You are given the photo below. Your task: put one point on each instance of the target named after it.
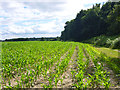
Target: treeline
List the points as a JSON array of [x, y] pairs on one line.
[[35, 39], [93, 22]]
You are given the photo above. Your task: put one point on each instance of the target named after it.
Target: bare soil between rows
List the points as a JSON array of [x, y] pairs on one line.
[[67, 77]]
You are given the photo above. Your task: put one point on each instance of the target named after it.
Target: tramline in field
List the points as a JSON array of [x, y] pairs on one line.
[[42, 63]]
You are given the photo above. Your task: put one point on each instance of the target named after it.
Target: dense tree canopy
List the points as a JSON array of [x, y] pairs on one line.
[[93, 22]]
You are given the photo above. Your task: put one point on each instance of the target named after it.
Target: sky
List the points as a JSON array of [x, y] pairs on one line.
[[38, 18]]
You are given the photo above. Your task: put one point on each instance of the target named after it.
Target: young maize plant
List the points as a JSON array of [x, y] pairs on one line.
[[26, 63]]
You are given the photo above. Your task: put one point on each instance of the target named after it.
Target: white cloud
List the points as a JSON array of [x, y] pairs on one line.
[[18, 29], [39, 16]]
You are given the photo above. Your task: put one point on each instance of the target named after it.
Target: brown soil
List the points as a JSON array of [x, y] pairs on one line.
[[114, 80], [68, 79], [41, 81], [67, 76]]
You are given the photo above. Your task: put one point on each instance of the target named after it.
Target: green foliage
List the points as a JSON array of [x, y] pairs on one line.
[[115, 43], [27, 62], [94, 22], [35, 39], [114, 20], [105, 41]]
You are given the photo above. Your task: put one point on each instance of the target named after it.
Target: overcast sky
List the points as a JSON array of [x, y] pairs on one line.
[[38, 18]]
